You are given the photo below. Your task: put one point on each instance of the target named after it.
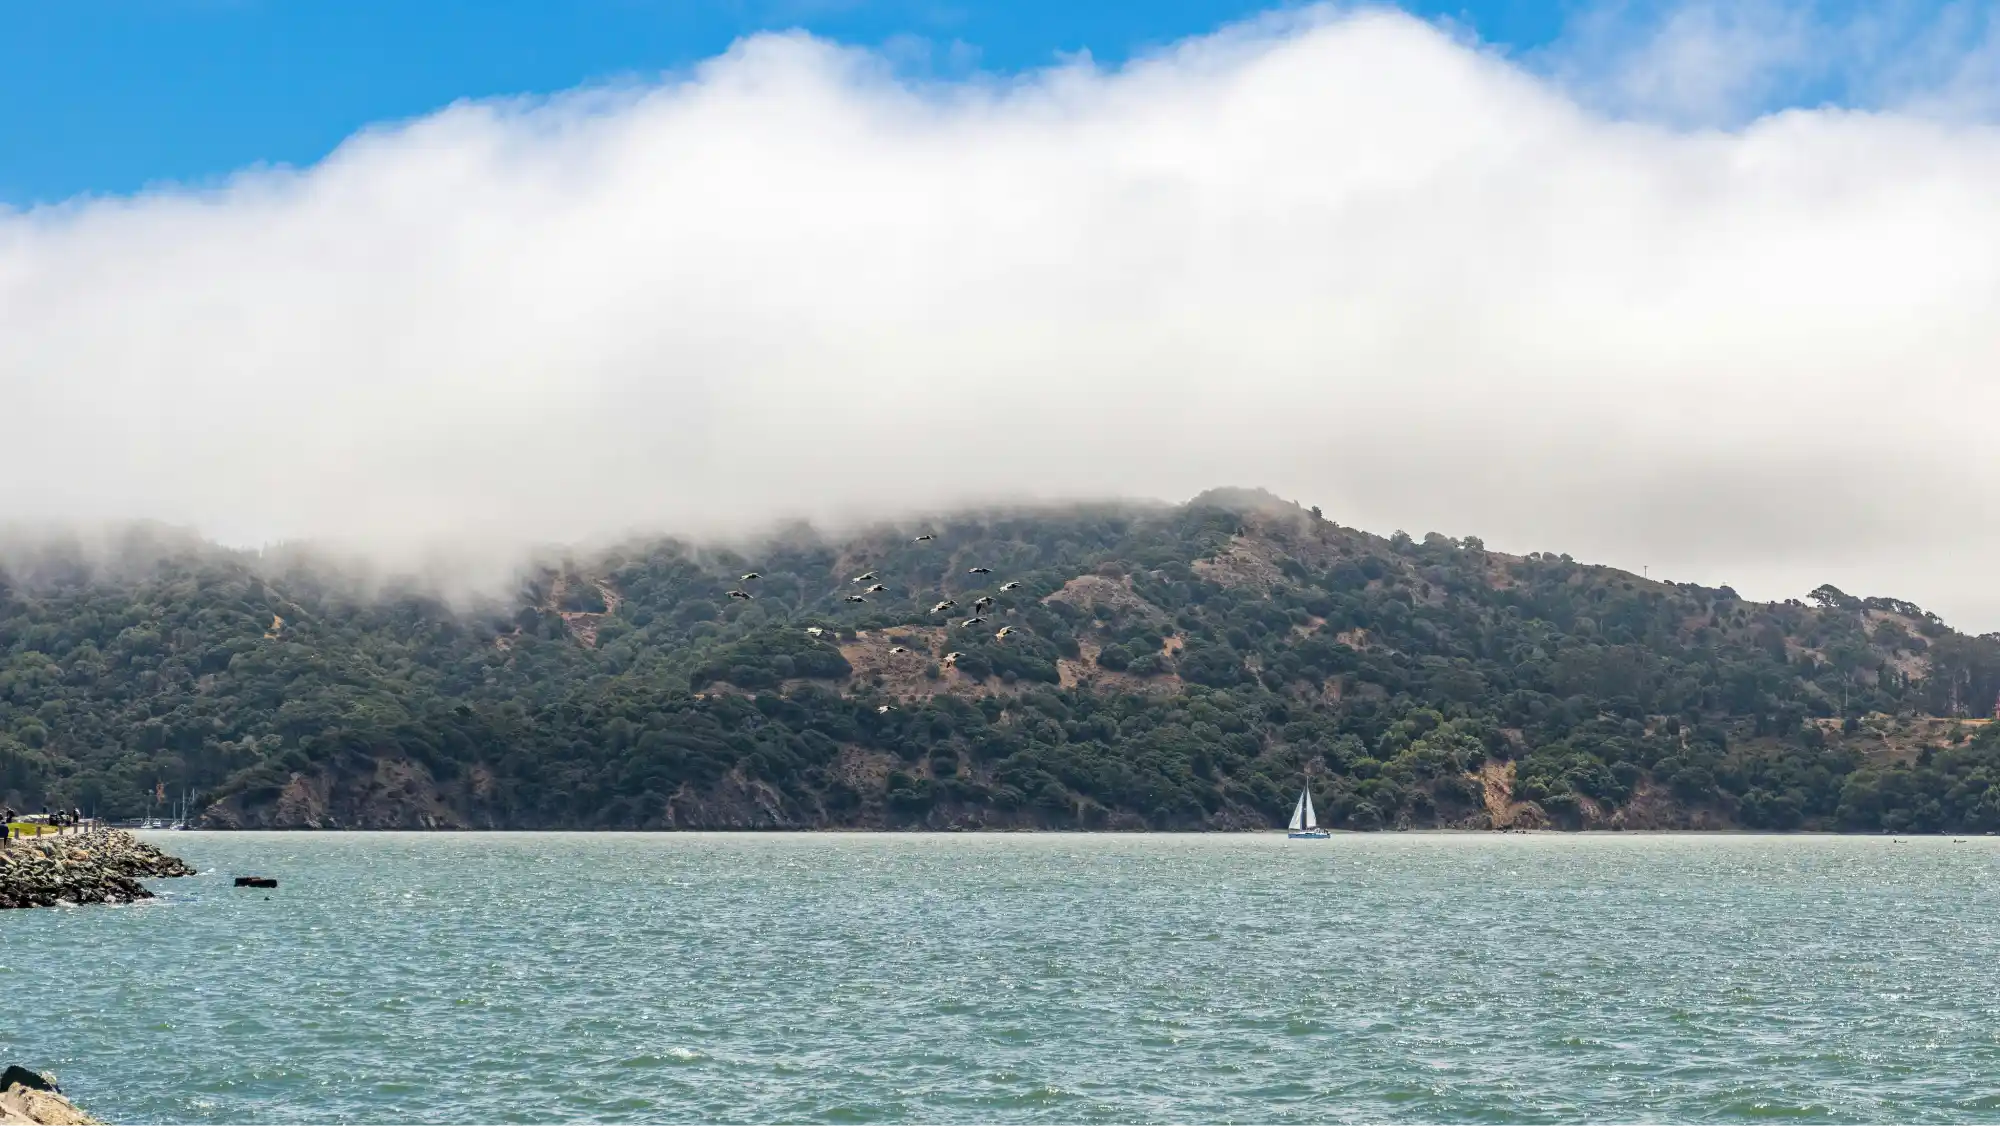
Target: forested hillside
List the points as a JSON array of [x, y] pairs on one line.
[[1166, 668]]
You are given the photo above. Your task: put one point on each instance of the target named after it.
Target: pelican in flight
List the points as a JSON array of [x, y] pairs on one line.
[[899, 649], [941, 607], [854, 598], [952, 658], [1004, 631], [1004, 587], [970, 622], [815, 631], [979, 570], [743, 594], [982, 602], [884, 710], [925, 538], [750, 578], [867, 578], [876, 589]]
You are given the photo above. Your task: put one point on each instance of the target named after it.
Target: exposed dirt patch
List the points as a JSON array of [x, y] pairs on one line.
[[1246, 562], [1908, 662], [1084, 672], [1796, 650], [1287, 530], [1496, 780], [1914, 666], [583, 624], [902, 675], [865, 770], [1096, 593], [1499, 570], [1073, 673], [1887, 738]]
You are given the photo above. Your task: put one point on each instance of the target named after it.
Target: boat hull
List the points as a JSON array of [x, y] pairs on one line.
[[1308, 835]]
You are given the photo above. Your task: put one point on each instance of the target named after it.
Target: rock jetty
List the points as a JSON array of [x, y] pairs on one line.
[[97, 866], [32, 1099]]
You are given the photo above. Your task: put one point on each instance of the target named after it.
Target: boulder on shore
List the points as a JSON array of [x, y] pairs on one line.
[[96, 866], [30, 1098]]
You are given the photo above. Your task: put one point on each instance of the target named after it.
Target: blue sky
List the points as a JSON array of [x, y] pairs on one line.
[[107, 97], [110, 96]]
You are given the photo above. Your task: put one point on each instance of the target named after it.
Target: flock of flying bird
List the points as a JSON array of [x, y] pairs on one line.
[[979, 605]]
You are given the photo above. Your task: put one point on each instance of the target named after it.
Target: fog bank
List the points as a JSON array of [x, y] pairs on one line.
[[1349, 257]]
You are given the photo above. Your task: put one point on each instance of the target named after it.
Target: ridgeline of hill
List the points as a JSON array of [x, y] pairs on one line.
[[1167, 668]]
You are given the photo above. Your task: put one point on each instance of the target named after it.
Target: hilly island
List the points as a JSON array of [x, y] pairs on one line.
[[1164, 668]]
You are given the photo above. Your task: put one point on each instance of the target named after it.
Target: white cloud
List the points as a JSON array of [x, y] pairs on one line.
[[1342, 255]]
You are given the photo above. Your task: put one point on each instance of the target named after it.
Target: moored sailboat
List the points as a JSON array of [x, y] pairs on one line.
[[1305, 823]]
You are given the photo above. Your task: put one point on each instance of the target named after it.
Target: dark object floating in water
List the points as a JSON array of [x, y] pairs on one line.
[[256, 882], [35, 1080]]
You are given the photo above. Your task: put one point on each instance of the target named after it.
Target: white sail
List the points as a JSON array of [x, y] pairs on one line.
[[1312, 821], [1299, 814]]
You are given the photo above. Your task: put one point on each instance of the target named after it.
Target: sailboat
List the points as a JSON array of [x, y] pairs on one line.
[[1305, 823]]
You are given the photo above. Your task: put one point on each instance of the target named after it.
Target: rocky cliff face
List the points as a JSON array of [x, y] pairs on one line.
[[99, 866], [393, 794]]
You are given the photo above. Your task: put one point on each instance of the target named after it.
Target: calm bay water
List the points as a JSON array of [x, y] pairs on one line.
[[673, 978]]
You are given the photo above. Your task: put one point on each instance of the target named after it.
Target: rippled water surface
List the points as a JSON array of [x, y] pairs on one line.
[[674, 978]]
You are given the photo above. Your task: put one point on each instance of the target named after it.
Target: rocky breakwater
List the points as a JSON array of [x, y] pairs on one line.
[[98, 866]]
